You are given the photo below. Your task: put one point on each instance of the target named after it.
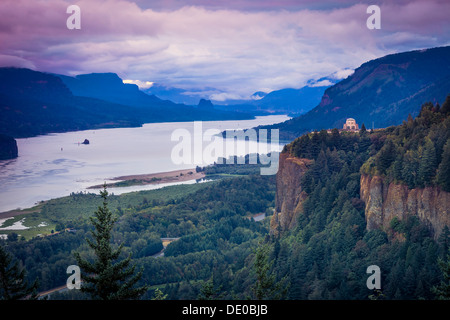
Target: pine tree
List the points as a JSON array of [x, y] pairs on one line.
[[442, 291], [208, 290], [159, 295], [13, 285], [108, 278], [443, 176], [386, 156], [265, 286], [410, 168], [445, 108], [427, 166], [363, 129]]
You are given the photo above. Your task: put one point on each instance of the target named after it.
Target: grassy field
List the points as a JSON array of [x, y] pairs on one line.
[[45, 218], [48, 217]]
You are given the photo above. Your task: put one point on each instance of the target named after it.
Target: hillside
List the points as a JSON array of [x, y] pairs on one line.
[[33, 103], [381, 92], [345, 201], [109, 87]]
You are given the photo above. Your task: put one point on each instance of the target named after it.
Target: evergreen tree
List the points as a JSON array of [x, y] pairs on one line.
[[445, 108], [108, 278], [443, 177], [427, 166], [363, 129], [208, 290], [159, 295], [13, 285], [265, 286], [335, 139], [386, 156], [442, 291], [410, 168]]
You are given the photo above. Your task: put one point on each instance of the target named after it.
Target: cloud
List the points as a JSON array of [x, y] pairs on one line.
[[321, 83], [12, 61], [236, 46], [224, 96], [139, 83], [342, 74]]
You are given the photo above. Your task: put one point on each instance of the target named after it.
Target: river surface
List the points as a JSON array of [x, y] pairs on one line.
[[55, 165]]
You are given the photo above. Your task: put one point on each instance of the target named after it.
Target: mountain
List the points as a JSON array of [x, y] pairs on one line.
[[381, 92], [109, 87], [285, 101], [33, 103], [292, 100], [176, 95]]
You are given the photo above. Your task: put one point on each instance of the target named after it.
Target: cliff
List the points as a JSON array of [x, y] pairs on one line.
[[384, 201], [289, 196], [8, 147]]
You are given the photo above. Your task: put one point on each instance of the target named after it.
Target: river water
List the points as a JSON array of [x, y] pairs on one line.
[[55, 165]]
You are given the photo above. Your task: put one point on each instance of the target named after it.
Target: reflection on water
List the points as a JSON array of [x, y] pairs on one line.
[[55, 165]]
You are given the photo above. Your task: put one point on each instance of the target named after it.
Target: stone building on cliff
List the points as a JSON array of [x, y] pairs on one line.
[[350, 125]]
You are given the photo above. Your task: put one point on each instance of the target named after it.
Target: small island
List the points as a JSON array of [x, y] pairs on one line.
[[8, 147]]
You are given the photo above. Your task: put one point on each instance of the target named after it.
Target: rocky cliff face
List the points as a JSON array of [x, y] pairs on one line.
[[289, 196], [8, 147], [385, 201]]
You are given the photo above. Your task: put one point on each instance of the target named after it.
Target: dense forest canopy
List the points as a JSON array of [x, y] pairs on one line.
[[326, 256]]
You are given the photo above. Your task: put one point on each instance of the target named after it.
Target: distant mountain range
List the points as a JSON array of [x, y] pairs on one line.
[[33, 103], [285, 101], [380, 93]]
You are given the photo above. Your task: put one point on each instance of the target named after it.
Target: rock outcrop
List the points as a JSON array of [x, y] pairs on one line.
[[8, 147], [289, 195], [384, 201]]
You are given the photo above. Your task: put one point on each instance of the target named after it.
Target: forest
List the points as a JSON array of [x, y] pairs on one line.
[[223, 253], [214, 223], [326, 256]]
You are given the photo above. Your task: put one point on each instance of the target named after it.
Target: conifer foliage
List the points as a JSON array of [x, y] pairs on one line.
[[13, 283], [108, 277]]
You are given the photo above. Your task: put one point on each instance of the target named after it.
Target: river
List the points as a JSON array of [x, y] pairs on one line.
[[54, 165]]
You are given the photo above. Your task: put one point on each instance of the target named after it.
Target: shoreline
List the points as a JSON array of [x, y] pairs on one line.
[[122, 181], [19, 212], [152, 178]]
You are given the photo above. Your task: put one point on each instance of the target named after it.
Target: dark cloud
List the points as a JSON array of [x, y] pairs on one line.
[[236, 46]]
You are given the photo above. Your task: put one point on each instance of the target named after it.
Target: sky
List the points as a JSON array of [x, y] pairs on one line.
[[226, 49]]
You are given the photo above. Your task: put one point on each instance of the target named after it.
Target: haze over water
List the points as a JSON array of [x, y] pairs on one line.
[[55, 165]]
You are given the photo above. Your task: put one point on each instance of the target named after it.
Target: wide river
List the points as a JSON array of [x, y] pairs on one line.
[[55, 165]]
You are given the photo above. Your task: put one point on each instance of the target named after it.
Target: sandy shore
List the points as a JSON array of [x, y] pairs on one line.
[[19, 212], [124, 181], [153, 178]]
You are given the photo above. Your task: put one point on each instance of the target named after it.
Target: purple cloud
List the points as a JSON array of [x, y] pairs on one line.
[[236, 46]]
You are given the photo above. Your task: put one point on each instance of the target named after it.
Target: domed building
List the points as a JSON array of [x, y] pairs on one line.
[[350, 125]]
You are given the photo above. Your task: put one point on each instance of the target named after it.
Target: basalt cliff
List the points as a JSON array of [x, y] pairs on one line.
[[383, 201], [289, 196]]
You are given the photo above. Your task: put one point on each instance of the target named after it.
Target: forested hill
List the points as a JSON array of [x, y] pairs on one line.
[[33, 103], [381, 92], [322, 240]]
